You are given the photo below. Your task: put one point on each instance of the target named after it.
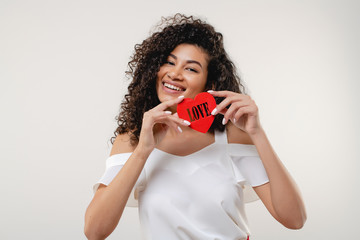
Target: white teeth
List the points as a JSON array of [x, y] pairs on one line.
[[172, 87]]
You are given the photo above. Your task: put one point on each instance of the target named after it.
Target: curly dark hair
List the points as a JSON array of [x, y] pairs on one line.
[[153, 53]]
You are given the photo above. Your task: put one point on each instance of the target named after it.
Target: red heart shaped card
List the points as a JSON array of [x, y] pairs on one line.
[[198, 111]]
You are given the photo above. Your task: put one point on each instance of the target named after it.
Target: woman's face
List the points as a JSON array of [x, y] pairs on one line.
[[184, 73]]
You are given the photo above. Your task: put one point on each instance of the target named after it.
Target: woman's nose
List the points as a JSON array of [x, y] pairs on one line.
[[174, 74]]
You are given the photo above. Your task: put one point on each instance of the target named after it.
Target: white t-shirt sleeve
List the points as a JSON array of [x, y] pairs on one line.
[[248, 168], [113, 166]]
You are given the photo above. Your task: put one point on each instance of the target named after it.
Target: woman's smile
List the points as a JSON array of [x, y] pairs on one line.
[[173, 87], [184, 73]]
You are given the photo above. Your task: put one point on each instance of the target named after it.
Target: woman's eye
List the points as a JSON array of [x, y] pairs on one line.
[[192, 70], [170, 63]]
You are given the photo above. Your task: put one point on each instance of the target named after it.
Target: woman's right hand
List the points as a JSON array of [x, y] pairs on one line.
[[156, 123], [107, 206]]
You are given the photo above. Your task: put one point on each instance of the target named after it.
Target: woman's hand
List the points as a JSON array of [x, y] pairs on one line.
[[157, 121], [243, 112]]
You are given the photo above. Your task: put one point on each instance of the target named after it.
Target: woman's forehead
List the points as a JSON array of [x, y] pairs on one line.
[[190, 52]]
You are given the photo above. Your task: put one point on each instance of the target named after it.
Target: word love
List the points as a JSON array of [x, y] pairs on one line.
[[198, 111]]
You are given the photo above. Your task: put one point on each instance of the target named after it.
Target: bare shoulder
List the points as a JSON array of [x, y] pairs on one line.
[[122, 144], [236, 135]]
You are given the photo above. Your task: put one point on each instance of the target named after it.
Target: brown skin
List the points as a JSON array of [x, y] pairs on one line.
[[108, 203], [160, 130], [152, 54], [280, 195], [186, 67]]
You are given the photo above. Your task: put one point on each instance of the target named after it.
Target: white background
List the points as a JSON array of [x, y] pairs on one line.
[[62, 67]]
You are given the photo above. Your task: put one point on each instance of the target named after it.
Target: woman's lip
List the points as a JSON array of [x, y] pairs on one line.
[[171, 91], [174, 84]]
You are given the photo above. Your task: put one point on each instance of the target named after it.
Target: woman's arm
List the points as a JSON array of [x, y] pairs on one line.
[[108, 203], [281, 195], [106, 208]]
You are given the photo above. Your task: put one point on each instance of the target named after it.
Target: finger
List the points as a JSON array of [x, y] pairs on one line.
[[165, 116], [187, 123], [179, 129], [165, 120], [157, 115], [179, 121], [230, 113], [161, 126], [170, 120], [174, 124], [167, 104], [242, 111], [224, 93], [245, 99], [227, 101], [223, 111], [151, 118]]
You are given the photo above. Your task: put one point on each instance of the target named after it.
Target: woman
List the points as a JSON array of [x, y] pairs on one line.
[[188, 184]]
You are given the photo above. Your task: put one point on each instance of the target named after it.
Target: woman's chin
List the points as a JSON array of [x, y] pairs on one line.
[[167, 98]]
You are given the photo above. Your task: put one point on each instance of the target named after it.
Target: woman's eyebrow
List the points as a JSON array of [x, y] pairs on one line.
[[188, 61]]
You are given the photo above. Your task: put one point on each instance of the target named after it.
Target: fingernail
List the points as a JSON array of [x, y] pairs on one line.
[[214, 111], [179, 129], [210, 91], [181, 96], [187, 122], [234, 120], [223, 121], [168, 112]]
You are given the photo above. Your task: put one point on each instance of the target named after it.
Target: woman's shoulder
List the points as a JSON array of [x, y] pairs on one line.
[[122, 144], [236, 135]]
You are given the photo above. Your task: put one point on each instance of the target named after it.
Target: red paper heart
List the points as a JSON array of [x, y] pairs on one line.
[[198, 111]]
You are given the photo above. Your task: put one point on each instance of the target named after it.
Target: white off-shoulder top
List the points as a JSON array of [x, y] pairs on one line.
[[198, 196]]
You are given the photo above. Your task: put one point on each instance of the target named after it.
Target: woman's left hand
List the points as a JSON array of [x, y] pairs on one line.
[[243, 112]]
